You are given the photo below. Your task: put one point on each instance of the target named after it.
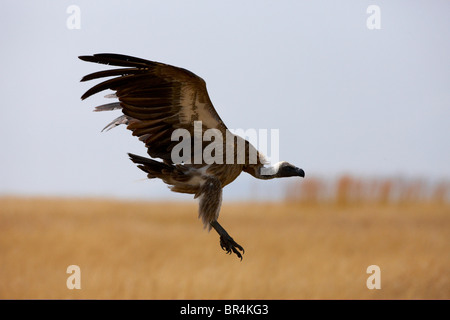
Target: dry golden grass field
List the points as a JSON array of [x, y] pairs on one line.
[[139, 250]]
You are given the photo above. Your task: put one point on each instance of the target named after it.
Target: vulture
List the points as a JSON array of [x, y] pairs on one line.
[[161, 104]]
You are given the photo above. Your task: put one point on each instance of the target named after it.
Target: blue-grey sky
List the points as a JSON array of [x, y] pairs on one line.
[[346, 99]]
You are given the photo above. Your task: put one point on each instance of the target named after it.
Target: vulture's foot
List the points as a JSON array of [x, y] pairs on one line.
[[226, 242], [229, 245]]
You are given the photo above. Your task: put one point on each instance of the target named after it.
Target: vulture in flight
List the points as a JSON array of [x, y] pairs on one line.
[[156, 99]]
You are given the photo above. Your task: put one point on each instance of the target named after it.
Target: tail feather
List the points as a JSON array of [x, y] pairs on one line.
[[153, 168]]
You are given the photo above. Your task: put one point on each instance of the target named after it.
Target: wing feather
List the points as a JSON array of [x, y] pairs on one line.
[[156, 98]]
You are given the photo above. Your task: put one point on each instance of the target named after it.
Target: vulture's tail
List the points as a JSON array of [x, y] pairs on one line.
[[153, 168]]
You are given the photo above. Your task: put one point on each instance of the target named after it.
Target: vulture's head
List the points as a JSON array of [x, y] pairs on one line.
[[281, 170], [285, 169]]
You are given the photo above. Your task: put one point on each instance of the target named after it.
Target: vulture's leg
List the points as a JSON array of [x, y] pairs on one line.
[[226, 241], [209, 207]]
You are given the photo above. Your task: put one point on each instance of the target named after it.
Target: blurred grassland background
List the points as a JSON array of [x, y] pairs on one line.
[[345, 98], [316, 244]]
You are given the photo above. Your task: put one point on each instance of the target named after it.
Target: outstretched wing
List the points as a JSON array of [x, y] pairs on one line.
[[155, 99]]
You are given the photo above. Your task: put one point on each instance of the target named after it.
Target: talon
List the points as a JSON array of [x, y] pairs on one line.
[[230, 246], [226, 242]]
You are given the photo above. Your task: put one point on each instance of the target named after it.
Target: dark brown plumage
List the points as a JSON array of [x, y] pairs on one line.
[[155, 100]]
